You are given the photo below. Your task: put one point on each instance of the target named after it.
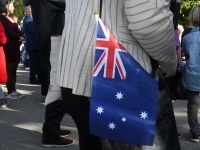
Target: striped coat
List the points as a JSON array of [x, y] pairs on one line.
[[143, 27]]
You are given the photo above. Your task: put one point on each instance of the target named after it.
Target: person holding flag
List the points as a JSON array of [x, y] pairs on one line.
[[132, 30]]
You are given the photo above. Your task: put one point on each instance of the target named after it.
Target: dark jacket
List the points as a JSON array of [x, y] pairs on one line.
[[29, 31], [13, 34], [48, 18]]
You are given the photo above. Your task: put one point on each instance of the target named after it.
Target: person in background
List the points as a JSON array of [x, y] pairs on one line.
[[48, 18], [31, 47], [3, 73], [180, 31], [11, 48], [191, 72]]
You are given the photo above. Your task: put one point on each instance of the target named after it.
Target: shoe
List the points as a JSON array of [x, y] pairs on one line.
[[18, 94], [61, 142], [11, 96], [34, 82], [179, 135], [173, 98], [27, 68], [63, 133], [195, 137], [3, 103]]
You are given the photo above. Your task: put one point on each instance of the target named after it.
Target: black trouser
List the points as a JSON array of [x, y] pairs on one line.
[[78, 108], [12, 76], [35, 64], [53, 116]]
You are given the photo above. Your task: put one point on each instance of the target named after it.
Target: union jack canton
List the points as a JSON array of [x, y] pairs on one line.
[[110, 57]]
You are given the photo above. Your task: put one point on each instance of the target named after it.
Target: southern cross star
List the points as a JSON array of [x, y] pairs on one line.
[[119, 95], [100, 110], [144, 115], [111, 126], [124, 119]]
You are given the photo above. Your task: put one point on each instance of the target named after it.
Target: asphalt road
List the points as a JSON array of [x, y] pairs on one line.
[[21, 122]]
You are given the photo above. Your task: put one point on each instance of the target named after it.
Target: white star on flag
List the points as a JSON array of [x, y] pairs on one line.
[[144, 115], [124, 119], [111, 126], [119, 95], [100, 110]]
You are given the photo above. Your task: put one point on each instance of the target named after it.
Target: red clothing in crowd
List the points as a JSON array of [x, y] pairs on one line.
[[3, 39], [13, 34]]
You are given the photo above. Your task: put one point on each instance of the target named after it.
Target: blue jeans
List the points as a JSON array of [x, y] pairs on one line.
[[192, 111], [1, 92]]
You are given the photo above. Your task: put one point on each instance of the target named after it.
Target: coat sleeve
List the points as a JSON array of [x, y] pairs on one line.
[[3, 38], [151, 23]]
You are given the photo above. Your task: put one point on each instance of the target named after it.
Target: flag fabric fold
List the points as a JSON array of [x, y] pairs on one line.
[[124, 96]]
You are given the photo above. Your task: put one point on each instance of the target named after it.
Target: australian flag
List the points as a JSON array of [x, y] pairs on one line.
[[124, 96]]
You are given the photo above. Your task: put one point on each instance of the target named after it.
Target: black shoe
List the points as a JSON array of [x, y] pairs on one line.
[[60, 142], [195, 137], [34, 82], [63, 133]]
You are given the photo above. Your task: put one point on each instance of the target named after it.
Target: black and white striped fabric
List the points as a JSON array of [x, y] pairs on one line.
[[143, 27]]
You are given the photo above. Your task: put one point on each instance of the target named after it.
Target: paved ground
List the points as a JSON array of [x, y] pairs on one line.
[[21, 121]]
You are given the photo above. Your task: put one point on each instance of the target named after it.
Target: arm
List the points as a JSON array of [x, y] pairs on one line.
[[151, 23], [184, 48], [3, 38], [9, 30], [27, 2]]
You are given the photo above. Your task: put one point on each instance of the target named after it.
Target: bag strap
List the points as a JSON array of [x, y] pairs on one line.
[[154, 65], [101, 4]]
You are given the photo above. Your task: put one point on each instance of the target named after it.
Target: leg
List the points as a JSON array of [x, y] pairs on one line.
[[53, 116], [9, 83], [192, 110], [54, 107], [51, 128], [78, 108], [32, 68], [38, 66], [3, 101], [14, 77], [1, 92]]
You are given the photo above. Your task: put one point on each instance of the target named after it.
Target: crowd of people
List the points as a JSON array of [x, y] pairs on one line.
[[64, 44]]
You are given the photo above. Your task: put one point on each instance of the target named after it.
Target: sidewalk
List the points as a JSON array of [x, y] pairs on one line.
[[21, 122]]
